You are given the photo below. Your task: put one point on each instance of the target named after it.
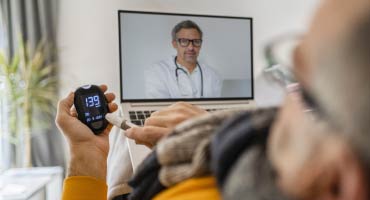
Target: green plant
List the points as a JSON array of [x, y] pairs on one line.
[[30, 89]]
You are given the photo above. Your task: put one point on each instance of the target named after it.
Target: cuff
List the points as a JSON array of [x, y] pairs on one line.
[[84, 187]]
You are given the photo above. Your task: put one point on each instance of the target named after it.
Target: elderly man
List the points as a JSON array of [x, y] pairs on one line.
[[318, 143], [328, 156]]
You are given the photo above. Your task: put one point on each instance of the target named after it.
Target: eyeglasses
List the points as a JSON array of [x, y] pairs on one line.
[[184, 42], [280, 68]]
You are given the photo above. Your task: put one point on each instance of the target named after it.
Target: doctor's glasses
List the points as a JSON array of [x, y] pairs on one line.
[[184, 42]]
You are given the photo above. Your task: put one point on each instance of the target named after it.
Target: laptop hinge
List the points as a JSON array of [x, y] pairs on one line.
[[201, 103]]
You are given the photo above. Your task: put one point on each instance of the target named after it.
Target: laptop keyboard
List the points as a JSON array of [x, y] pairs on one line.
[[138, 117]]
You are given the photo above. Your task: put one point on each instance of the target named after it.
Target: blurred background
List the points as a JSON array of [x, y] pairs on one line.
[[50, 47]]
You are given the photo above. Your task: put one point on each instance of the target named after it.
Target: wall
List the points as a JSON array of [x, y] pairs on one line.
[[88, 31]]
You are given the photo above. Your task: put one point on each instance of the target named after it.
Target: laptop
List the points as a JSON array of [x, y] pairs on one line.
[[145, 41]]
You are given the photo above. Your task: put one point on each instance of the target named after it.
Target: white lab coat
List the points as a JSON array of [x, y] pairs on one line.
[[160, 81]]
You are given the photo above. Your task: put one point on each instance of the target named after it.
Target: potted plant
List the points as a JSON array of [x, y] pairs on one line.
[[30, 88]]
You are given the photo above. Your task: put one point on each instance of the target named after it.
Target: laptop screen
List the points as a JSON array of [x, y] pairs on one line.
[[167, 57]]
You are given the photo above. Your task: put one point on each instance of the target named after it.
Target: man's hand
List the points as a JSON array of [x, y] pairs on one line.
[[88, 151], [162, 122]]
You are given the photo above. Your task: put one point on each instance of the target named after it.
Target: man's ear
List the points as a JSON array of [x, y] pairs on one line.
[[347, 179]]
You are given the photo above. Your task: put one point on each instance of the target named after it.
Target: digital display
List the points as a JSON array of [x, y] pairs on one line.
[[92, 101], [92, 107]]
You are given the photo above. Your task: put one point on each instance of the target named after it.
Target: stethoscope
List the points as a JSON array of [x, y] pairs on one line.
[[201, 75]]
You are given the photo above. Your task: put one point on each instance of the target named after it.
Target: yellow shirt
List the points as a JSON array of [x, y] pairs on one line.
[[195, 188], [85, 187]]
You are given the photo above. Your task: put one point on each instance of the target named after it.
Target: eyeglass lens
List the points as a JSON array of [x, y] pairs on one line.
[[184, 42]]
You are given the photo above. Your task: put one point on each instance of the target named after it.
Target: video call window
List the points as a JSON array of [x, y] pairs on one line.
[[175, 56]]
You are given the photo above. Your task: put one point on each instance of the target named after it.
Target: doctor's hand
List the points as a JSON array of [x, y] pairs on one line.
[[88, 151], [162, 122]]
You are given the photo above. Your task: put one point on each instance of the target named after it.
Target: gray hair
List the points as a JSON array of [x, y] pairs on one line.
[[187, 24], [342, 86]]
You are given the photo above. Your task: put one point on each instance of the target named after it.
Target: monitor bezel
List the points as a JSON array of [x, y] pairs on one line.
[[183, 99]]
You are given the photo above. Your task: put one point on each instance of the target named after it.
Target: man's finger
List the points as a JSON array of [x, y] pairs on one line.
[[74, 113], [149, 134], [65, 105], [110, 97], [112, 107], [185, 109], [143, 143], [160, 121], [103, 88], [169, 121]]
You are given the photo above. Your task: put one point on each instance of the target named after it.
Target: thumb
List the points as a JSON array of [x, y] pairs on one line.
[[64, 107]]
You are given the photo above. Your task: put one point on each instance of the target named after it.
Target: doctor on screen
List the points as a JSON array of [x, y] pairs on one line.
[[183, 76]]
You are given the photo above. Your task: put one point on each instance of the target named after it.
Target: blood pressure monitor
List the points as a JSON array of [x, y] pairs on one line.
[[91, 106]]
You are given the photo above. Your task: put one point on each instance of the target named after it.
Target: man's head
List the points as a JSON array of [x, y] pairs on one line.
[[325, 155], [345, 74], [187, 40]]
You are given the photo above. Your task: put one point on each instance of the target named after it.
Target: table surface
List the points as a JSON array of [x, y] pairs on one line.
[[22, 183]]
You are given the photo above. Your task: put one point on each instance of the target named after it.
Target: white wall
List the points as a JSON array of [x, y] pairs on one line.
[[88, 31]]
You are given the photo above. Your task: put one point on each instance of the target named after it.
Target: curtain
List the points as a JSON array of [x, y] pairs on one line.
[[34, 21]]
